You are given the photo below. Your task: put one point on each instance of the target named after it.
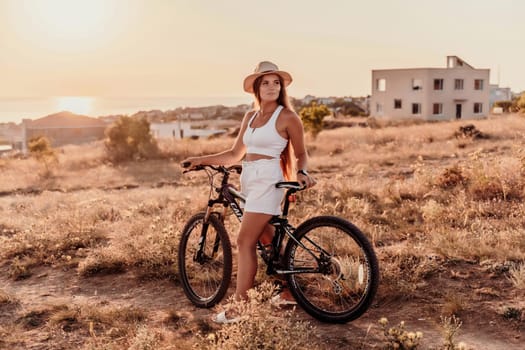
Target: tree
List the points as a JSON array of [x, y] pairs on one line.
[[312, 117], [347, 107], [521, 103], [505, 105], [130, 138], [40, 148]]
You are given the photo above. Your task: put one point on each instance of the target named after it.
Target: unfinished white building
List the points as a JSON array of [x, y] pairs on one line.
[[458, 91]]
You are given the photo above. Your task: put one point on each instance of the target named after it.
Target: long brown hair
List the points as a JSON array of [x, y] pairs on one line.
[[283, 100]]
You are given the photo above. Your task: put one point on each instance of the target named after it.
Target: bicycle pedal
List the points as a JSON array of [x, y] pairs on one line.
[[265, 249]]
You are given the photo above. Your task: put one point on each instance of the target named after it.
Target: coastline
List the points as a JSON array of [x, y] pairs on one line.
[[17, 108]]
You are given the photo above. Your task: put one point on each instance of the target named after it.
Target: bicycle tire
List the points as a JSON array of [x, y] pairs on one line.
[[205, 282], [347, 286]]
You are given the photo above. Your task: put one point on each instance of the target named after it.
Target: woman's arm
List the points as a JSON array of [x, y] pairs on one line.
[[231, 156], [295, 131]]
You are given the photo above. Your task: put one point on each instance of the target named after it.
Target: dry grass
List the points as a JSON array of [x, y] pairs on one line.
[[424, 197], [108, 325], [517, 275], [260, 327], [7, 299]]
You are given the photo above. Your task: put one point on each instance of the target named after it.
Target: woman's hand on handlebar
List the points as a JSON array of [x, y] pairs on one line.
[[191, 162], [306, 180]]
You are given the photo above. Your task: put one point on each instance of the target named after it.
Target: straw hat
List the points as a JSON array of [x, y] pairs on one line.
[[264, 68]]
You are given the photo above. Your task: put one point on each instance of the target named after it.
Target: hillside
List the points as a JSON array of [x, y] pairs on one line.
[[88, 250]]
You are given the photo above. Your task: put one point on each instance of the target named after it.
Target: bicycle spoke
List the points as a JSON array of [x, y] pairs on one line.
[[204, 261], [345, 283]]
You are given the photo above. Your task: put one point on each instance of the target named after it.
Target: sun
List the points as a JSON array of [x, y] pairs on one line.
[[65, 25], [76, 104]]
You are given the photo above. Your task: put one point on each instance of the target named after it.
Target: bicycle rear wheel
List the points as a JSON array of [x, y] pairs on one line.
[[205, 260], [336, 270]]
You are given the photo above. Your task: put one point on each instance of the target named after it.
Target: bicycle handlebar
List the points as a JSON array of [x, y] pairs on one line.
[[291, 185], [219, 168], [294, 186]]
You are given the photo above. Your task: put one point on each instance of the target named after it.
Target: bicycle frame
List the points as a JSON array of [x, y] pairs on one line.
[[228, 197]]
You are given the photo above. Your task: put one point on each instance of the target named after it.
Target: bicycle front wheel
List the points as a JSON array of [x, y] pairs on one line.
[[335, 270], [205, 260]]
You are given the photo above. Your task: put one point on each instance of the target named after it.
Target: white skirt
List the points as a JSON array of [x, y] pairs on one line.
[[258, 179]]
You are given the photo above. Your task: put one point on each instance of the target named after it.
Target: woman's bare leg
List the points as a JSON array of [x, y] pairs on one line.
[[252, 226], [267, 235]]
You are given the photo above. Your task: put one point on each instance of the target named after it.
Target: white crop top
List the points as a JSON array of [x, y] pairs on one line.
[[265, 140]]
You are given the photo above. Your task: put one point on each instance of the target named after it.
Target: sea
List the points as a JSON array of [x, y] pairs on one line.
[[16, 109]]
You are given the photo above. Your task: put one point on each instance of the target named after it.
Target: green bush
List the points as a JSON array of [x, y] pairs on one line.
[[130, 138], [312, 117]]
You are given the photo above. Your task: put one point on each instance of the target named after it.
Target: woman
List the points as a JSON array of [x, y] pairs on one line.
[[266, 139]]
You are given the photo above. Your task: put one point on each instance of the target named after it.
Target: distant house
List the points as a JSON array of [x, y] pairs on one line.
[[499, 94], [308, 99], [455, 92], [63, 128], [10, 134], [179, 130], [320, 100], [5, 149], [326, 100]]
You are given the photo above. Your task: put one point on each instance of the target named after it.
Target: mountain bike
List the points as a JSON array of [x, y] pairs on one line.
[[329, 265]]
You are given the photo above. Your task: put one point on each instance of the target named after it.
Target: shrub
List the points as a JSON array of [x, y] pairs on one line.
[[130, 138], [451, 326], [521, 103], [505, 105], [398, 338], [40, 148], [260, 328], [451, 177], [347, 108], [312, 117], [511, 313], [517, 275]]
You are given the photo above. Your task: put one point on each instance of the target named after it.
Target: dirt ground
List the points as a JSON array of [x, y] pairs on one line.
[[482, 292], [482, 327]]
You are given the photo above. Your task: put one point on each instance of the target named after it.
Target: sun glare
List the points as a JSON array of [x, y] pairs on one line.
[[65, 25], [76, 104]]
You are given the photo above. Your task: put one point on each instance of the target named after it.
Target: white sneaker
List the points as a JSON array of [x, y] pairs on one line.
[[276, 300], [222, 319]]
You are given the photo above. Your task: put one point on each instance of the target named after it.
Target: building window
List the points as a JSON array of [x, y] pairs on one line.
[[416, 108], [478, 84], [417, 84], [397, 103], [379, 108], [437, 109], [478, 108], [438, 84], [458, 84], [381, 84]]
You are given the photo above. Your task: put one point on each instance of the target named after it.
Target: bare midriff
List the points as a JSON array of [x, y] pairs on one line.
[[250, 157]]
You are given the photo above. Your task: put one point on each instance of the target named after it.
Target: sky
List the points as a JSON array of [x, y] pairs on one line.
[[149, 48]]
